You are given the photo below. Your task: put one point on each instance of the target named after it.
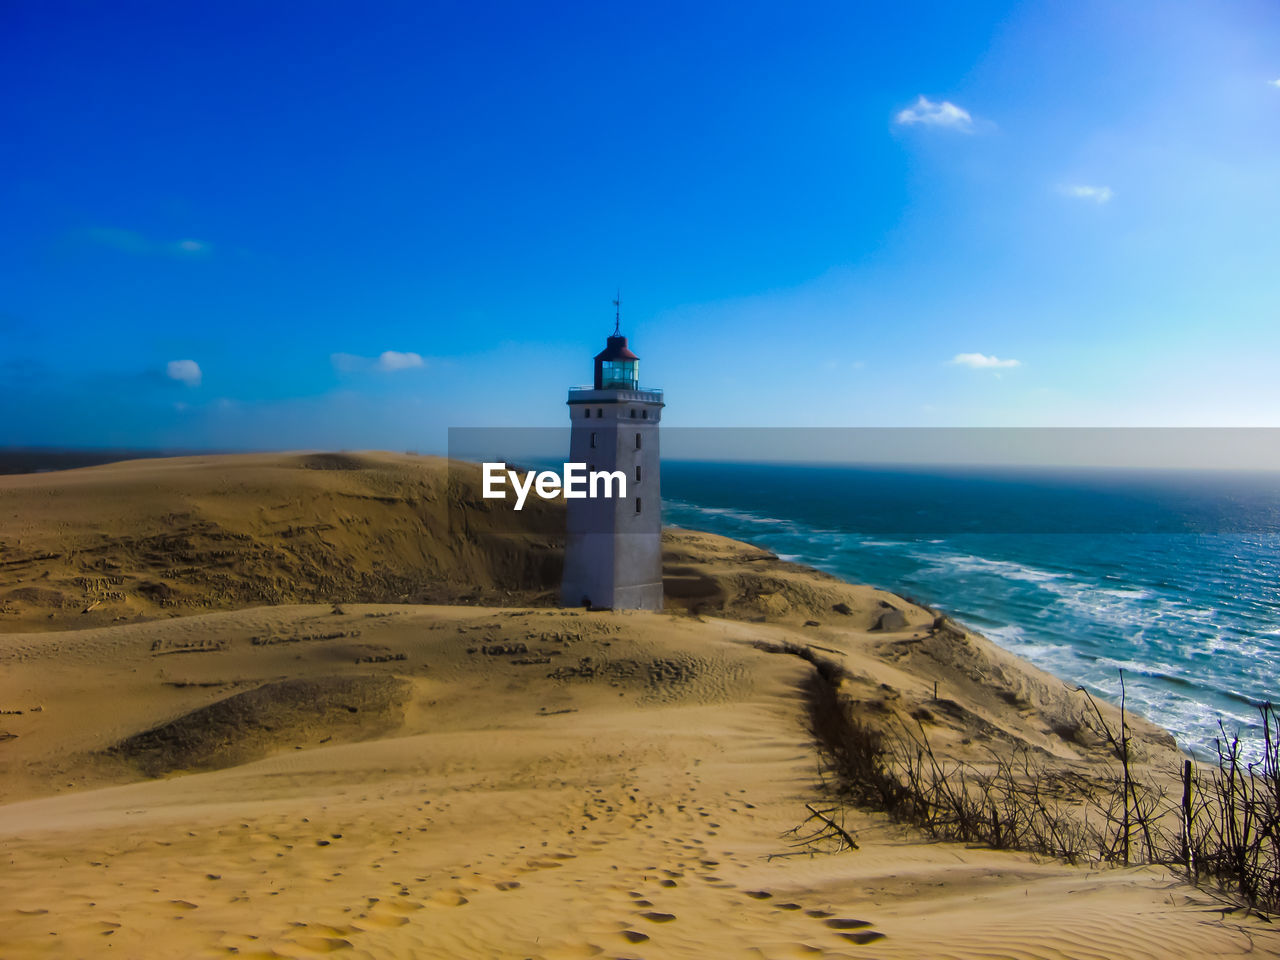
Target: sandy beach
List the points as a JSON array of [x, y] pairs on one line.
[[277, 706]]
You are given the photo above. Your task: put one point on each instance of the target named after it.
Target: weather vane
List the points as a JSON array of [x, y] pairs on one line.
[[617, 314]]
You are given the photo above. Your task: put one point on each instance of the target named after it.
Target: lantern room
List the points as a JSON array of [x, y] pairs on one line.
[[617, 368]]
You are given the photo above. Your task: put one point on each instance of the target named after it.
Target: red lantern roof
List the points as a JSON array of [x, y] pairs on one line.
[[616, 349]]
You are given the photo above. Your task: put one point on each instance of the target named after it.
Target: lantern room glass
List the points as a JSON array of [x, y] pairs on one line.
[[620, 374]]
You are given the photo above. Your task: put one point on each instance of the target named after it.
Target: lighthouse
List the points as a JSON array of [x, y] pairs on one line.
[[613, 547]]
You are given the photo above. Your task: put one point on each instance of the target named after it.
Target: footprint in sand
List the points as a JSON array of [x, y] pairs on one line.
[[449, 898], [634, 936], [324, 929], [868, 936], [848, 923], [655, 917], [382, 920], [543, 864], [758, 894]]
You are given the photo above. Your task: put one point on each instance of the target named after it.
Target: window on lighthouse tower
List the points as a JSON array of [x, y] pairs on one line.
[[620, 374]]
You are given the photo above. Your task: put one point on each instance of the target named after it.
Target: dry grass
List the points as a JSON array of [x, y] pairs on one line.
[[1222, 829]]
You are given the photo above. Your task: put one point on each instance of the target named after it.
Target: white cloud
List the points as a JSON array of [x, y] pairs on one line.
[[1274, 83], [980, 361], [130, 241], [1084, 191], [191, 247], [389, 361], [944, 114], [184, 371]]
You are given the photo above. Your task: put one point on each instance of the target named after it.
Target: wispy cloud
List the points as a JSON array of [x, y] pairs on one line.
[[832, 364], [941, 114], [1084, 191], [130, 241], [184, 371], [389, 361], [1274, 83], [980, 361]]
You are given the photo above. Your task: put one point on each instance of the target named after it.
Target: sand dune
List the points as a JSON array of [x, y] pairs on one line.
[[135, 540], [431, 780]]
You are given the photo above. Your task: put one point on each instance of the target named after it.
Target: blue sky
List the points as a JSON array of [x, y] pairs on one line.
[[354, 225]]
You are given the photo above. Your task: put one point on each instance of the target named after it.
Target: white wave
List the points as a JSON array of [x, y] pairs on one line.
[[1131, 593], [1008, 569], [1009, 632]]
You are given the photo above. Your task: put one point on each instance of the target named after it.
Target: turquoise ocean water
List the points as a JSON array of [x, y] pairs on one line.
[[1172, 577]]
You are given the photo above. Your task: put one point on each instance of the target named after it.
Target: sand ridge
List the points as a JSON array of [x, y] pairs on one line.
[[133, 541]]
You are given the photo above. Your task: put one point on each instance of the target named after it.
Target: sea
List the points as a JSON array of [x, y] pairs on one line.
[[1171, 577]]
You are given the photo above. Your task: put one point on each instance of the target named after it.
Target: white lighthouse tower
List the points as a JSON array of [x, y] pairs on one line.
[[613, 548]]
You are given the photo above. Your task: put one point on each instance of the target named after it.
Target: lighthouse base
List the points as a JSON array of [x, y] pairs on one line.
[[612, 572], [646, 596]]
